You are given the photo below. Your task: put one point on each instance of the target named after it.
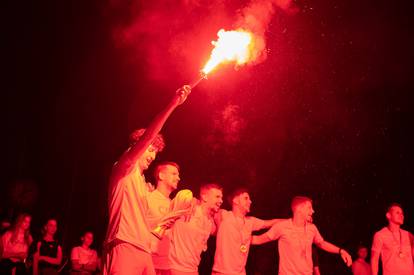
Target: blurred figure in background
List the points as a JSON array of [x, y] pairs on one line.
[[14, 246], [48, 255], [360, 265], [84, 260]]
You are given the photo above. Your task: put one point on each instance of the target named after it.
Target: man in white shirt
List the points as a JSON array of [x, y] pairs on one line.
[[189, 238], [234, 234], [167, 176], [394, 245], [128, 238], [296, 236]]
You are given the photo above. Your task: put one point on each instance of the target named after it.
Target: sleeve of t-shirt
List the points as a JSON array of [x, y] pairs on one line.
[[376, 243], [257, 224], [74, 255], [317, 238], [274, 232]]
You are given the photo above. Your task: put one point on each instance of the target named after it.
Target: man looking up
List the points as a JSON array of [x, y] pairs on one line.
[[128, 238], [394, 245]]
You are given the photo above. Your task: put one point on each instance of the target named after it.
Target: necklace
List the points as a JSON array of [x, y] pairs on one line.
[[244, 241], [400, 253], [302, 239]]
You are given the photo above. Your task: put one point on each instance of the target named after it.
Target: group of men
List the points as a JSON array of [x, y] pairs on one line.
[[136, 208]]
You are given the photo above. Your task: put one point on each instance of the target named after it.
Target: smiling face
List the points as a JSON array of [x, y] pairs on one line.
[[243, 202], [305, 210], [170, 176], [147, 158], [213, 198]]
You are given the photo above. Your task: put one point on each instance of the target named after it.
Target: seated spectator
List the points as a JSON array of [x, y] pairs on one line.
[[84, 259], [48, 255], [14, 246], [360, 266]]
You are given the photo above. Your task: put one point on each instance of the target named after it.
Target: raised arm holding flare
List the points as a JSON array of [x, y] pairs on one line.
[[128, 236]]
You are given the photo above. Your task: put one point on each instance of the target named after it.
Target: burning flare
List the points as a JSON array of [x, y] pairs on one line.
[[230, 46]]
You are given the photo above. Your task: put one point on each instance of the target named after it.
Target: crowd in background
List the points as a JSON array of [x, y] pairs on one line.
[[21, 254]]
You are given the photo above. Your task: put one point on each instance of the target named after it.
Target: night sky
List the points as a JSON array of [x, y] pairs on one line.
[[327, 114]]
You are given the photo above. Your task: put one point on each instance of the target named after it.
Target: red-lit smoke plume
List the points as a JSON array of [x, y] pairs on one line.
[[169, 37]]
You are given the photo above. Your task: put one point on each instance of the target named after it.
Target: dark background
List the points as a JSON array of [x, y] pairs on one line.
[[327, 114]]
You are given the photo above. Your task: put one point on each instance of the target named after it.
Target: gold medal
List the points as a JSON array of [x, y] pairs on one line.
[[243, 248]]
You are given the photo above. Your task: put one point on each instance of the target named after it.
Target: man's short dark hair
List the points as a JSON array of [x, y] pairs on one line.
[[235, 193], [394, 204], [208, 186], [297, 200], [162, 165]]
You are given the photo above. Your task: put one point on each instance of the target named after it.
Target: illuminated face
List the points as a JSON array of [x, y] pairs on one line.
[[87, 239], [170, 176], [51, 227], [395, 215], [147, 158], [25, 225], [244, 202], [306, 210], [213, 199], [363, 253]]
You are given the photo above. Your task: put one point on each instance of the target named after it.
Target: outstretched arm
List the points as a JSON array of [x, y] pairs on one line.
[[327, 246], [127, 161], [260, 239], [270, 223]]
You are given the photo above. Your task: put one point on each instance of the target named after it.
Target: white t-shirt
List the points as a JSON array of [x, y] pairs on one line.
[[84, 256], [16, 247], [389, 246], [295, 246], [232, 233], [360, 267], [188, 240], [128, 207], [158, 207]]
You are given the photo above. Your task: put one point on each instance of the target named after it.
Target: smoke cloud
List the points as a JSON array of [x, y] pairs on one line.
[[256, 17], [172, 38]]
